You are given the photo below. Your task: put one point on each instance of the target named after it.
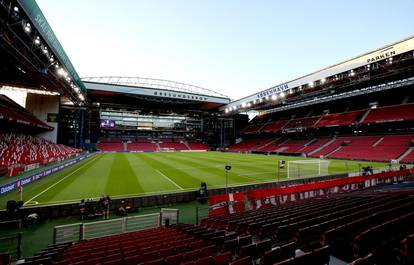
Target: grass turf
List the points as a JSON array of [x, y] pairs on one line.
[[127, 174]]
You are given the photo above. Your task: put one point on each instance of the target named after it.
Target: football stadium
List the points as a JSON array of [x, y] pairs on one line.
[[131, 170]]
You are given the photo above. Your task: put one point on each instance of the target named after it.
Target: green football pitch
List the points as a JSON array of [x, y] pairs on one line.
[[130, 174]]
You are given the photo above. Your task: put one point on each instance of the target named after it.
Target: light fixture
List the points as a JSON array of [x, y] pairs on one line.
[[274, 97], [37, 40], [282, 94], [61, 72], [310, 84], [44, 49], [323, 80], [16, 9], [27, 27]]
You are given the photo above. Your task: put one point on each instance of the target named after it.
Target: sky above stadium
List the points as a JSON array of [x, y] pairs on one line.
[[235, 47]]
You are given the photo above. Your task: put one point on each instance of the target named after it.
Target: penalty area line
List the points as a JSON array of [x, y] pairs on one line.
[[62, 179], [170, 180]]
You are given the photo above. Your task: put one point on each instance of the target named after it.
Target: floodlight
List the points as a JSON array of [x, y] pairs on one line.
[[37, 40], [16, 9], [27, 27], [44, 49], [61, 72], [274, 97]]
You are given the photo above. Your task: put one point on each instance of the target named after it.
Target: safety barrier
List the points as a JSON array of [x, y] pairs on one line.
[[82, 231]]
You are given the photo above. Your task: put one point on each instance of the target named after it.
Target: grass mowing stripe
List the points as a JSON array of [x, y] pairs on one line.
[[170, 180], [149, 179], [214, 175], [181, 177], [62, 179], [122, 178], [248, 170]]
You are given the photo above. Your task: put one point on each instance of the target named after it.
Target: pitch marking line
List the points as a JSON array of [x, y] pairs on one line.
[[170, 180], [62, 179]]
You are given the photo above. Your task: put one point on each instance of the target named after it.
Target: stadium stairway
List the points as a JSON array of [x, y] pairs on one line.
[[406, 154], [322, 146]]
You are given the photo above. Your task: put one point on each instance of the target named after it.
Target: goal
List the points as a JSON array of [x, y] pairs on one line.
[[307, 168]]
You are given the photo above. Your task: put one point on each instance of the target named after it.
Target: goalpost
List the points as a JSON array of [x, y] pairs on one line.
[[307, 168]]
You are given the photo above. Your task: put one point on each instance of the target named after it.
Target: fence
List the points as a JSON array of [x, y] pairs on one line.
[[172, 215], [81, 231], [11, 244], [201, 213]]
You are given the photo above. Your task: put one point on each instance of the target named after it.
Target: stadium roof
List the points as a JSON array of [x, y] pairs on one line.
[[31, 55], [329, 77], [154, 83], [149, 93]]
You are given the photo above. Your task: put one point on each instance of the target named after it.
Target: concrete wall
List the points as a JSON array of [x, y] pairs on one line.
[[40, 106]]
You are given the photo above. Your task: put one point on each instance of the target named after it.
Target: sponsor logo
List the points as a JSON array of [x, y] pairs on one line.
[[14, 185], [8, 187], [25, 181]]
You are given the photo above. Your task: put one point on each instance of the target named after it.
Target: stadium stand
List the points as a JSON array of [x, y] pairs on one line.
[[367, 226], [250, 144], [173, 144], [301, 123], [273, 127], [197, 145], [253, 128], [110, 144], [142, 146], [13, 113], [390, 114], [410, 157], [373, 148], [18, 151], [370, 147], [338, 119]]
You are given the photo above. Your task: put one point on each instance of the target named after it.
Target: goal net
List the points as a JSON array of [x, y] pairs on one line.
[[307, 168]]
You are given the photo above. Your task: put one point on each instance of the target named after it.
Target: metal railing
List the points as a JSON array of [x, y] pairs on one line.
[[81, 231], [11, 244], [201, 213], [169, 215]]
